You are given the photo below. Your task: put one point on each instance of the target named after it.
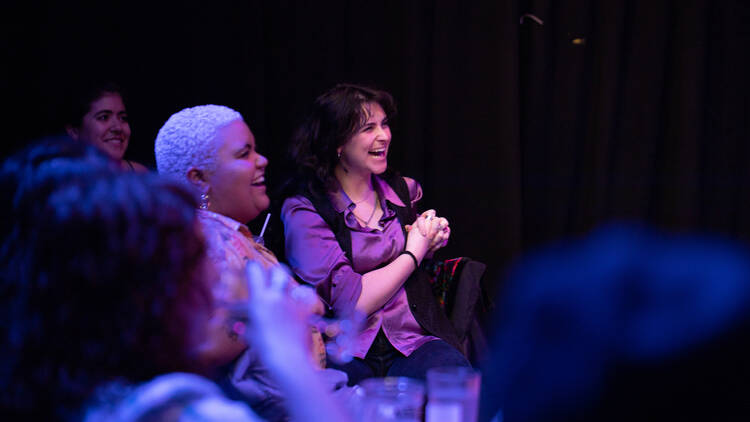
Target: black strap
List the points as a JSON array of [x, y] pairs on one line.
[[336, 222], [407, 214]]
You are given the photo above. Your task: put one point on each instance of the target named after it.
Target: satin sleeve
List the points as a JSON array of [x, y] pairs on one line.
[[315, 256], [415, 191]]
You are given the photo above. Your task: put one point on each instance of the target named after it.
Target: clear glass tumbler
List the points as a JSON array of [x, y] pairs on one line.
[[452, 394], [391, 399]]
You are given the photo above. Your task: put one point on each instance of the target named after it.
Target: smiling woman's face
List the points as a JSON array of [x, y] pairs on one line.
[[105, 126], [366, 152], [237, 186]]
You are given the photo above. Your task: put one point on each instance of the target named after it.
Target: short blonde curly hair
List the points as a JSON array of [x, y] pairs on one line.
[[187, 139]]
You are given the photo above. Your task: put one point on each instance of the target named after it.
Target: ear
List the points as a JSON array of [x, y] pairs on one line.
[[198, 179], [72, 132]]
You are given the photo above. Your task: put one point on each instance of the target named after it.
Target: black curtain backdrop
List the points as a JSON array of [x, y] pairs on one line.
[[520, 131]]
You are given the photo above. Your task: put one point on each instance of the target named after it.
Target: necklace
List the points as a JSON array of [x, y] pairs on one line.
[[372, 214], [364, 199]]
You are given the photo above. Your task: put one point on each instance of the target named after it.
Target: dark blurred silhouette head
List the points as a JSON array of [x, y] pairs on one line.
[[626, 324], [101, 278]]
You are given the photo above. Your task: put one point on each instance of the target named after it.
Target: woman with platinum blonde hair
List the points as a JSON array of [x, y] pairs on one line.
[[213, 149]]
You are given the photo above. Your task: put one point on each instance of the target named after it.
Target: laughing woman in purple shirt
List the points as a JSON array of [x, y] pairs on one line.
[[347, 222]]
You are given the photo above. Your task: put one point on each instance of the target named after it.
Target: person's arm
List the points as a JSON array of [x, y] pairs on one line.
[[316, 256], [378, 286]]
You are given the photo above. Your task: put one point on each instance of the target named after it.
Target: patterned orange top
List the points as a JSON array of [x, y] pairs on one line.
[[230, 246]]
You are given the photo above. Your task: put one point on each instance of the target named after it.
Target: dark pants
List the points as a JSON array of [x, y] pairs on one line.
[[383, 360]]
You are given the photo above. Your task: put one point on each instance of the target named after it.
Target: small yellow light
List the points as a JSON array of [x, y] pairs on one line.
[[578, 41]]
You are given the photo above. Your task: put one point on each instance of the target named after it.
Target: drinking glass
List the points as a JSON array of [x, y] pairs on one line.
[[391, 399], [452, 394]]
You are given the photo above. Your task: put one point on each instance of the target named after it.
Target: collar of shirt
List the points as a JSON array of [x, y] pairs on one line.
[[342, 202], [235, 225], [223, 219]]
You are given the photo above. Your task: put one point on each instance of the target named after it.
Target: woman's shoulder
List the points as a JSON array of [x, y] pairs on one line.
[[415, 189], [134, 166], [299, 214], [296, 202], [225, 245], [213, 223], [392, 182]]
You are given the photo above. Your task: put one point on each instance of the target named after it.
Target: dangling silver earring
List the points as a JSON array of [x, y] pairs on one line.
[[338, 154], [204, 201]]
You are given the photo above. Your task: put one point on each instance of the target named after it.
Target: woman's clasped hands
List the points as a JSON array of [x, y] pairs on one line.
[[432, 233]]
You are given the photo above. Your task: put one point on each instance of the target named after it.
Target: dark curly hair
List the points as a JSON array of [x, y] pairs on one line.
[[101, 279], [334, 118], [79, 96], [28, 177]]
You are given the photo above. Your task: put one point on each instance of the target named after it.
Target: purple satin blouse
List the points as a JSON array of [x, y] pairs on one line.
[[316, 257]]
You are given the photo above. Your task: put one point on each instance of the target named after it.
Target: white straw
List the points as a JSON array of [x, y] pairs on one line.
[[263, 230]]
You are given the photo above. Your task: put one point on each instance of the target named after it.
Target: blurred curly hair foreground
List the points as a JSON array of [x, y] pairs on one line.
[[102, 280]]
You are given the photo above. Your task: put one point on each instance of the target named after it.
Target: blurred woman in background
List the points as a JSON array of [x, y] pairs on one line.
[[98, 116]]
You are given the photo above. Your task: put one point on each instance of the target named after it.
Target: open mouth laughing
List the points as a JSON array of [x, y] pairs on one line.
[[380, 152], [259, 181]]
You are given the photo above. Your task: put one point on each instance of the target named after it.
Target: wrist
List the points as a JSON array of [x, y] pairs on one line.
[[412, 257]]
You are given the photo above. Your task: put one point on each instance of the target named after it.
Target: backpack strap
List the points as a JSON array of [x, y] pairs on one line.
[[406, 215], [335, 221]]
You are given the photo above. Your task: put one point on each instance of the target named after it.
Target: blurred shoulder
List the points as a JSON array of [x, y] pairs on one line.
[[135, 166], [166, 397]]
